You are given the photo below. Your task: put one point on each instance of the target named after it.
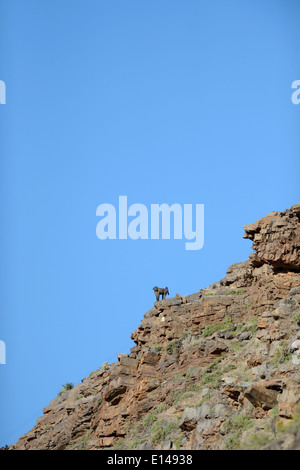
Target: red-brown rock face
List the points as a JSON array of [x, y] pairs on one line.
[[211, 370], [276, 239]]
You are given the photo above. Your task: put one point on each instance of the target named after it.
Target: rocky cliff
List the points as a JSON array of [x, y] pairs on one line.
[[218, 369]]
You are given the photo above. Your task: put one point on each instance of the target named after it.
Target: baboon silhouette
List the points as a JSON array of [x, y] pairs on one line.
[[160, 291]]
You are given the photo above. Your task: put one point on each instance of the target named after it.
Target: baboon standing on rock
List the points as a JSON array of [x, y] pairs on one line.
[[160, 291]]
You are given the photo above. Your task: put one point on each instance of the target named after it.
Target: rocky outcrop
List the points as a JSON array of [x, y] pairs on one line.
[[211, 370], [276, 239]]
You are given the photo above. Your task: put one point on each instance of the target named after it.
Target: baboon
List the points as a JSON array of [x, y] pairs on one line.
[[160, 291]]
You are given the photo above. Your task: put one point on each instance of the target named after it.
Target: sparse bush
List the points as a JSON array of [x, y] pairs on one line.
[[212, 374], [66, 387], [282, 353], [296, 317], [134, 444], [194, 387], [239, 422], [161, 430], [172, 347], [214, 379], [237, 345], [234, 427], [274, 411], [186, 334], [203, 400], [235, 292], [162, 407], [118, 444], [181, 396], [135, 430], [229, 367], [251, 325], [177, 442], [149, 419], [85, 439], [210, 329], [256, 441], [177, 376]]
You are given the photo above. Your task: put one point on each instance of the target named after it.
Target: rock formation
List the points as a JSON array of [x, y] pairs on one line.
[[211, 370]]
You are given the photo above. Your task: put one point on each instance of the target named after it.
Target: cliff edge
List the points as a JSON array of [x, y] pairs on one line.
[[218, 369]]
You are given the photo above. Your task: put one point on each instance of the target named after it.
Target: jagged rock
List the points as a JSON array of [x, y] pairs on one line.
[[215, 347], [189, 419], [276, 239], [261, 396], [115, 394], [289, 398]]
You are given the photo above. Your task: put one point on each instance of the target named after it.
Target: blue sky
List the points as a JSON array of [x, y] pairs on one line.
[[161, 101]]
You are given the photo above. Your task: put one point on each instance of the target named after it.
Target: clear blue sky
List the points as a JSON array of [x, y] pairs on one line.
[[162, 101]]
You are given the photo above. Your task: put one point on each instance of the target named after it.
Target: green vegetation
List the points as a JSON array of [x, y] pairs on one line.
[[197, 343], [212, 379], [250, 326], [203, 400], [179, 396], [118, 444], [296, 317], [236, 292], [134, 444], [161, 430], [229, 367], [172, 347], [150, 419], [294, 423], [85, 439], [178, 376], [66, 387], [177, 442], [194, 387], [162, 407], [274, 411], [135, 430], [256, 441], [234, 427], [282, 353], [186, 334], [236, 346], [212, 374], [210, 329]]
